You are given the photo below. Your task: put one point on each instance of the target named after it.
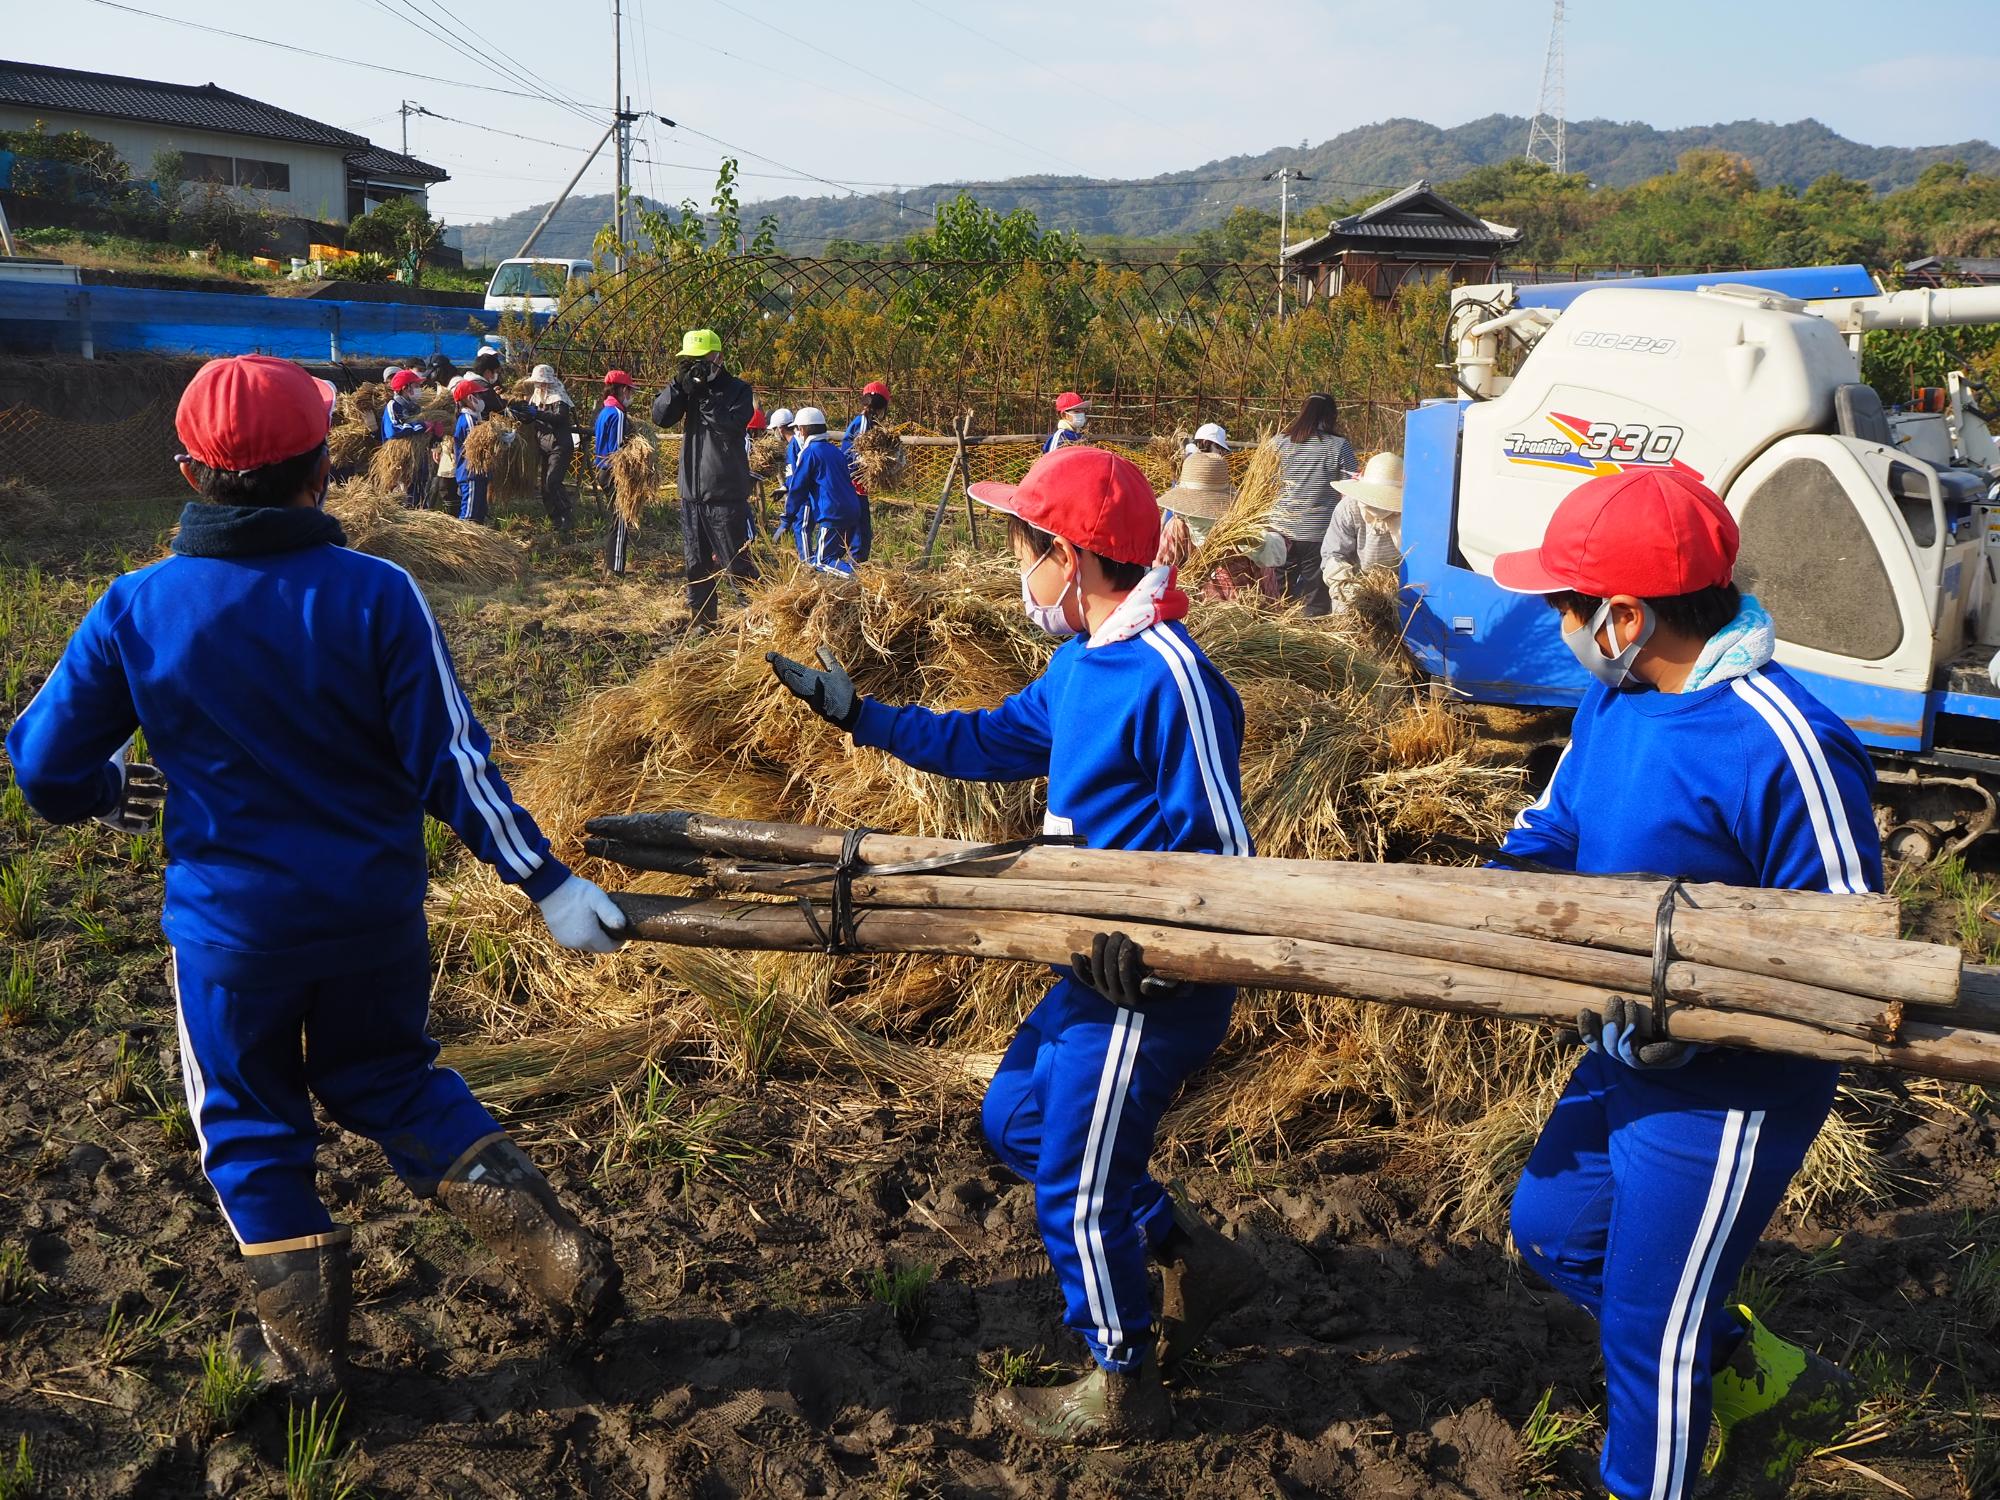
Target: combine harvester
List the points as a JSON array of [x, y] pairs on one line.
[[1873, 536]]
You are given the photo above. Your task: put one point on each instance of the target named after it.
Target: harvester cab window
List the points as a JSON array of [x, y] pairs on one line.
[[1807, 555]]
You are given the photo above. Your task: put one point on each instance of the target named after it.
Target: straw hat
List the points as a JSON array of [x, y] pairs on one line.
[[1204, 489], [1380, 484]]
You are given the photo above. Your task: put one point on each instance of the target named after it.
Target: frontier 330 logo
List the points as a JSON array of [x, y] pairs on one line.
[[1590, 449]]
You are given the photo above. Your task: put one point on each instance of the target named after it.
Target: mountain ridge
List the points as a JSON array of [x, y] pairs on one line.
[[1383, 156]]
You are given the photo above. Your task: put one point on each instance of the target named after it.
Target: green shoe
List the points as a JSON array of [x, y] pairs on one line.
[[1204, 1275], [1777, 1405], [1103, 1407]]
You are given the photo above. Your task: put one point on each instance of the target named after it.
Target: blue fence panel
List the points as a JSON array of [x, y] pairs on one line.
[[46, 319]]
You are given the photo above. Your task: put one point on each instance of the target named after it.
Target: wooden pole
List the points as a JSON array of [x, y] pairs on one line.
[[943, 505], [965, 479], [1285, 963]]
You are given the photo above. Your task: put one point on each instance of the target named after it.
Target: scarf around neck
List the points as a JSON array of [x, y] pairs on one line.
[[1736, 650], [1154, 600]]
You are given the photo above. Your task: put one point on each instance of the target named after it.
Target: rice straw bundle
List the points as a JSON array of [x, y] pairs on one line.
[[1162, 455], [364, 404], [767, 455], [393, 468], [635, 479], [483, 444], [879, 460], [517, 466], [26, 508], [1240, 530], [433, 547], [350, 445]]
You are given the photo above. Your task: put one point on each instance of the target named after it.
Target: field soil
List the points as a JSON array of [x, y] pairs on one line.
[[826, 1287]]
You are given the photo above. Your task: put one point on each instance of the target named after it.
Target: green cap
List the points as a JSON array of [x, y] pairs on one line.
[[699, 341]]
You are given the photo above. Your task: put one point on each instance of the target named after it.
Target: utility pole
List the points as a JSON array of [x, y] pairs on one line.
[[1286, 177], [619, 124], [406, 111]]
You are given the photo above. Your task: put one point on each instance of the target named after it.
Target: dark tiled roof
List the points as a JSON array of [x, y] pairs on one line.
[[1414, 213], [1477, 234], [192, 107]]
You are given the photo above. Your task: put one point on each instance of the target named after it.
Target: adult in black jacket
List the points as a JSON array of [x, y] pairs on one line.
[[553, 417], [714, 478]]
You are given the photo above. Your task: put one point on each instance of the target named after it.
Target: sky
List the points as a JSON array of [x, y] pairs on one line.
[[907, 92]]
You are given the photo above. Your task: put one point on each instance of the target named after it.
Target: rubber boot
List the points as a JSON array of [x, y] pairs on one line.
[[303, 1299], [1106, 1406], [502, 1197], [1203, 1276], [1777, 1404]]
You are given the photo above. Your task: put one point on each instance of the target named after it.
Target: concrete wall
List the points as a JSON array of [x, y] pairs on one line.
[[319, 173]]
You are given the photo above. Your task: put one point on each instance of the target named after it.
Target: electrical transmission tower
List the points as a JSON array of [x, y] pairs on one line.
[[1545, 131]]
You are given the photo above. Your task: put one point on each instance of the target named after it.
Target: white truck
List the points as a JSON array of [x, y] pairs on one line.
[[1871, 535], [535, 284]]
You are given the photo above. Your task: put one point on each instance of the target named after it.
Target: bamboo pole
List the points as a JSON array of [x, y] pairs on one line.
[[1286, 963], [1781, 942], [1254, 915]]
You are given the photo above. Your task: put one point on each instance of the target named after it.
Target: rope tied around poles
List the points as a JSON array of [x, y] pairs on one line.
[[1664, 954]]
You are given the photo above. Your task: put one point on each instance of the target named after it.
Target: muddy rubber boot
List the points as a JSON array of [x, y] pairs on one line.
[[502, 1197], [1777, 1404], [1103, 1407], [1203, 1276], [303, 1298]]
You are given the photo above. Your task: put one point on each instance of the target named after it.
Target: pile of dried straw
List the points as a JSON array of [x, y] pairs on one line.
[[433, 547], [635, 478]]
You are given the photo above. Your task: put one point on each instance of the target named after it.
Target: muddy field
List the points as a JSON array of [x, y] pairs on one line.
[[827, 1286]]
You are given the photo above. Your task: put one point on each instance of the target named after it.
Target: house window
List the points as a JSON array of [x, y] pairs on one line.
[[199, 166], [267, 176]]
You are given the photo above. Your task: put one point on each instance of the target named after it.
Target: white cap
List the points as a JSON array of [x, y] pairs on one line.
[[782, 417], [544, 375], [485, 349], [1212, 432], [390, 372], [809, 416]]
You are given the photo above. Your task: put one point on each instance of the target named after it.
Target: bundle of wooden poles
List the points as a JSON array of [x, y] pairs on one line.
[[1793, 972]]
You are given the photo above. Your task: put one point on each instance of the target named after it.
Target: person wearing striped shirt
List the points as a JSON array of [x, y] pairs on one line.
[[1139, 737], [301, 705], [1693, 755]]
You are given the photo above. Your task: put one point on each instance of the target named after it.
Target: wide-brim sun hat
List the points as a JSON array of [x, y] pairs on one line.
[[1380, 484], [1203, 490]]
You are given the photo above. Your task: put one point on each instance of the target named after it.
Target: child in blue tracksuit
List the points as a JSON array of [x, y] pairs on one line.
[[1072, 416], [606, 439], [403, 422], [300, 701], [1139, 736], [1693, 755], [874, 407], [822, 503], [469, 393]]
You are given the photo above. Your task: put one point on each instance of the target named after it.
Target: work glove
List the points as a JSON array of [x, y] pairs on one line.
[[1116, 968], [829, 693], [581, 917], [141, 791], [1628, 1031]]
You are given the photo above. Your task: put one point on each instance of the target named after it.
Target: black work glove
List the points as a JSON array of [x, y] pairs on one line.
[[1116, 968], [524, 411], [1628, 1031], [143, 791], [829, 693]]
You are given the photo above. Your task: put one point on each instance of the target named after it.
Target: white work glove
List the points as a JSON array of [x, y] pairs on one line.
[[141, 791], [583, 918]]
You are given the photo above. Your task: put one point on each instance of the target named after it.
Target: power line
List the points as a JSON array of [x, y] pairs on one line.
[[431, 28], [820, 50], [520, 72]]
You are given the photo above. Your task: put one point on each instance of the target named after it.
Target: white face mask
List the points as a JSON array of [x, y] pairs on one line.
[[1049, 618], [1077, 419], [1609, 670]]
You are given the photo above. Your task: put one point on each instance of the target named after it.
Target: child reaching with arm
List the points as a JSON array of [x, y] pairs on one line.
[[1139, 737]]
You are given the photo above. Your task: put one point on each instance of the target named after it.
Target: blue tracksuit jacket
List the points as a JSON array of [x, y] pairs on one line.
[[855, 428], [1060, 437], [610, 433], [822, 500], [400, 419], [460, 430], [300, 701], [1140, 741], [1650, 1187]]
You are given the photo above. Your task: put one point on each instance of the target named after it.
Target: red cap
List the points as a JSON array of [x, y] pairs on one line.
[[402, 380], [1089, 497], [1649, 532], [876, 388], [617, 377], [469, 386], [1069, 401], [757, 420], [253, 410]]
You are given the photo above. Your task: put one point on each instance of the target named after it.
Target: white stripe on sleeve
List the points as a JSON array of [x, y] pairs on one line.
[[1843, 828], [1809, 787], [1223, 810]]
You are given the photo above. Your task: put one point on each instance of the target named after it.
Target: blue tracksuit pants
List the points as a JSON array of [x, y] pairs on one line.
[[1073, 1109], [472, 498], [1641, 1202], [254, 1058]]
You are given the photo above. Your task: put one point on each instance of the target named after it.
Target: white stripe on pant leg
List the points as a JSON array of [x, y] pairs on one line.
[[1725, 1196], [1080, 1218], [195, 1085], [1114, 1330]]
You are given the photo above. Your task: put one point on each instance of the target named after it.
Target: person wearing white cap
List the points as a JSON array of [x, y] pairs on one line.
[[552, 414], [1210, 437], [1367, 529], [821, 500]]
